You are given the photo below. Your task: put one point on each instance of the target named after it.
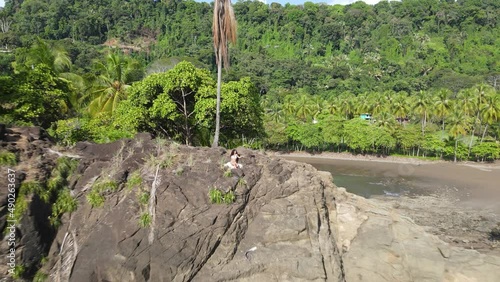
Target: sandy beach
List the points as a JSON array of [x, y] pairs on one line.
[[478, 177], [459, 202]]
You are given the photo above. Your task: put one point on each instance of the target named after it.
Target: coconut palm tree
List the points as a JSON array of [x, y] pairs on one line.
[[490, 110], [333, 105], [377, 102], [421, 106], [112, 84], [304, 108], [459, 125], [386, 120], [347, 104], [442, 105], [363, 104], [468, 104], [400, 107], [224, 30], [53, 56]]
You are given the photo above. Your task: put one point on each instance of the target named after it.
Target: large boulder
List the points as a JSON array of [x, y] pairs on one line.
[[288, 222]]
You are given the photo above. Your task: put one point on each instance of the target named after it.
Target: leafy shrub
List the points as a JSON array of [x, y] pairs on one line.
[[99, 129], [486, 151], [68, 132], [64, 203], [30, 187], [7, 158]]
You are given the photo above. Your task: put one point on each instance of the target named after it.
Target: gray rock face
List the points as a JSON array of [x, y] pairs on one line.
[[381, 245], [288, 223], [277, 229]]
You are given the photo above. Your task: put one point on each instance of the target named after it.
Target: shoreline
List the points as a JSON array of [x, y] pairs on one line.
[[384, 159], [458, 202], [468, 182]]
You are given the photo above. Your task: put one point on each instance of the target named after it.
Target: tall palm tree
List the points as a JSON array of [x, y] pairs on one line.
[[386, 120], [458, 127], [333, 105], [289, 107], [468, 104], [347, 104], [224, 30], [304, 108], [481, 90], [317, 105], [56, 58], [363, 104], [490, 110], [400, 107], [378, 104], [41, 52], [421, 107], [112, 84], [442, 105]]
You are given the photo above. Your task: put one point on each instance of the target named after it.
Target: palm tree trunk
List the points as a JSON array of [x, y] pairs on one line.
[[471, 139], [456, 145], [217, 115], [484, 132]]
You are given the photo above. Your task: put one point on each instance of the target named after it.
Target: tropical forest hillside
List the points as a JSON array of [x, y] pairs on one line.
[[425, 74]]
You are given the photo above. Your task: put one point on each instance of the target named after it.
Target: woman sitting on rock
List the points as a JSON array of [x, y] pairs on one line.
[[234, 160]]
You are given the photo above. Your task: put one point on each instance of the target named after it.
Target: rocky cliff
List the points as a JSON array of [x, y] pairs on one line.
[[144, 214]]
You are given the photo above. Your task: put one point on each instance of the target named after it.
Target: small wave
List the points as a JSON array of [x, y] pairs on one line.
[[391, 194], [377, 183]]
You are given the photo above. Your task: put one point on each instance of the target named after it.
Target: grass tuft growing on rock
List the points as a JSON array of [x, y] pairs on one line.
[[30, 187], [167, 162], [144, 198], [216, 196], [229, 197], [179, 171], [134, 180], [105, 186], [228, 173], [18, 271], [145, 220], [7, 158], [242, 182], [95, 199], [40, 276]]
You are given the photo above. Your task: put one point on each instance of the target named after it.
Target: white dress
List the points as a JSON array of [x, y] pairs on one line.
[[230, 164]]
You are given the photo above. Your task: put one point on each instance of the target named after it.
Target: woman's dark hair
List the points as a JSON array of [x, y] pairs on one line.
[[234, 152]]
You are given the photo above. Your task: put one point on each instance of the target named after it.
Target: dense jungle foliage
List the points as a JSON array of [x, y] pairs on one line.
[[426, 71]]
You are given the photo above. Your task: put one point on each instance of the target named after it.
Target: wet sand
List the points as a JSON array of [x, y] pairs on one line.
[[459, 202], [471, 183]]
